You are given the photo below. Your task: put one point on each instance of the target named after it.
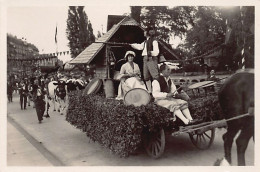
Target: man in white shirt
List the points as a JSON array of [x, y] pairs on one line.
[[164, 91], [150, 56]]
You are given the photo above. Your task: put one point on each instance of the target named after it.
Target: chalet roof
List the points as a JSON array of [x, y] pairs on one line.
[[92, 50], [87, 55]]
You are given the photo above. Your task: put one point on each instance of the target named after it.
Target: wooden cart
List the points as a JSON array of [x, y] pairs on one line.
[[201, 135]]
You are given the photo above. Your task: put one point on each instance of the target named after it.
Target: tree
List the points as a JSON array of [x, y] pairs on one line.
[[167, 21], [208, 30], [240, 21], [79, 30], [136, 12], [204, 28]]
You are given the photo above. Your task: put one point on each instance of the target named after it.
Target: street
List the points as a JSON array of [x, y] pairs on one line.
[[20, 152], [55, 142]]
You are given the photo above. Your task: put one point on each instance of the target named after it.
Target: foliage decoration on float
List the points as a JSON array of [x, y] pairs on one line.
[[116, 126]]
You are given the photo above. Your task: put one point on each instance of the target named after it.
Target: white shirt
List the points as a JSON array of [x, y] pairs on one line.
[[39, 92], [127, 69], [143, 45], [157, 94]]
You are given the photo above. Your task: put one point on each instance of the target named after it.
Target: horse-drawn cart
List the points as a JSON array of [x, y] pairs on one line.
[[201, 135]]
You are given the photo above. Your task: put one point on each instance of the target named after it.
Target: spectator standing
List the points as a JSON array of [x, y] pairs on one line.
[[39, 96], [23, 90], [9, 91], [212, 77]]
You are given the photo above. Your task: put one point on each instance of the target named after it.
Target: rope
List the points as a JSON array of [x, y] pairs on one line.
[[113, 43], [213, 50]]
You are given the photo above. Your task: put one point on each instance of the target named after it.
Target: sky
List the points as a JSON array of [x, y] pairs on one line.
[[37, 24]]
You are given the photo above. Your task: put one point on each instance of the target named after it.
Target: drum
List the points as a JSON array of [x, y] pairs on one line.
[[93, 87], [137, 97], [201, 84]]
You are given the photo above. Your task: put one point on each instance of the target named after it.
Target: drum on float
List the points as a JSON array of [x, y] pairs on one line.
[[137, 97], [93, 87]]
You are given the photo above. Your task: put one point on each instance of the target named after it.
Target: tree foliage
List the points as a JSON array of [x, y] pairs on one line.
[[136, 13], [168, 21], [204, 28], [240, 44], [79, 30], [207, 32]]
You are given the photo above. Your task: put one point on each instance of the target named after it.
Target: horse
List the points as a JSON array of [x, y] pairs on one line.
[[236, 97]]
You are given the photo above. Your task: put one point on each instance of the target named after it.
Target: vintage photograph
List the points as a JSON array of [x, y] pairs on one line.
[[115, 85]]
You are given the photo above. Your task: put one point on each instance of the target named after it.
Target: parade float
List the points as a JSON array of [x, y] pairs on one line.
[[123, 127]]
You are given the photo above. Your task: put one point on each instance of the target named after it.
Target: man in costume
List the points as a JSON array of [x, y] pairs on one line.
[[150, 54], [164, 92]]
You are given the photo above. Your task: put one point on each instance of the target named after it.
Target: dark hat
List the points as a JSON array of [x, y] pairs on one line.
[[149, 28]]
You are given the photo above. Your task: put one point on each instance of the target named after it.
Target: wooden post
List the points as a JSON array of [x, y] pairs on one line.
[[107, 62], [108, 83]]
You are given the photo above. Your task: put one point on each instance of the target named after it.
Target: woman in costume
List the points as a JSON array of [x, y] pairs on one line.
[[130, 76]]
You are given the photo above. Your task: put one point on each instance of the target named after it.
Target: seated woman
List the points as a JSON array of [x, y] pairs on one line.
[[130, 76]]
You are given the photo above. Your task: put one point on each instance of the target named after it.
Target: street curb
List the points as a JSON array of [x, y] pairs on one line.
[[38, 145]]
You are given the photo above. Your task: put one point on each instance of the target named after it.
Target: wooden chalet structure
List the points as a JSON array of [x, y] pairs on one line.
[[108, 50]]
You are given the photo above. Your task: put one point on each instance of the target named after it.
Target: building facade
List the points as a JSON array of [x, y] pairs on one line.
[[23, 58]]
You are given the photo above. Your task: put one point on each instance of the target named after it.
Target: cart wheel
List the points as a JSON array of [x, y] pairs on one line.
[[203, 140], [154, 143]]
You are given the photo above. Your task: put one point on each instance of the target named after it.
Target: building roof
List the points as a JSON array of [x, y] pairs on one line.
[[87, 55]]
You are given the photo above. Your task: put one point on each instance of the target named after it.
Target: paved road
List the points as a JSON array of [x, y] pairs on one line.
[[68, 146], [20, 152]]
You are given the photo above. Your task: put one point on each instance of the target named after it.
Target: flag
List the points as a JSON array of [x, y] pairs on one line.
[[56, 34]]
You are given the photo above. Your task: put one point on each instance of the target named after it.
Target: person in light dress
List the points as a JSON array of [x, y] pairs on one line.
[[130, 76]]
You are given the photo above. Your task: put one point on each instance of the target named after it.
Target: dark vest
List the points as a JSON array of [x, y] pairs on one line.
[[149, 46], [163, 84]]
